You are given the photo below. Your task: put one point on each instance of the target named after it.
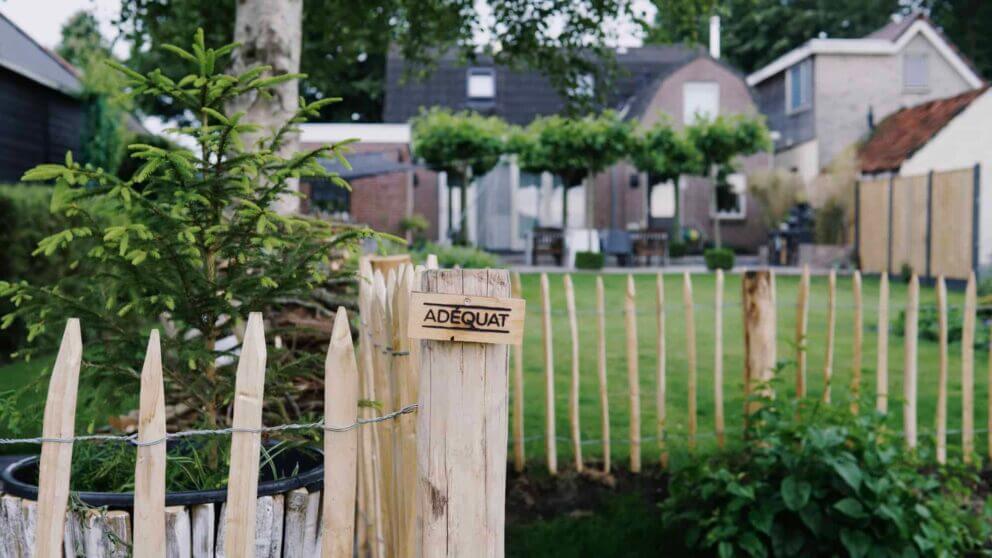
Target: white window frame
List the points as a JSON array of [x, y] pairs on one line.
[[926, 72], [741, 213], [480, 72], [805, 69], [690, 118]]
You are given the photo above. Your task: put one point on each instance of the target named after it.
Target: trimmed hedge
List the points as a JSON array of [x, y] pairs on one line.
[[589, 260], [719, 258]]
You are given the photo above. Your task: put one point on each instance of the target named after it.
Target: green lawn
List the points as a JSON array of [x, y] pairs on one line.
[[703, 285]]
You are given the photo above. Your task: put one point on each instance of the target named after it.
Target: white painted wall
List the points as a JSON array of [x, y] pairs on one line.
[[803, 157], [965, 141]]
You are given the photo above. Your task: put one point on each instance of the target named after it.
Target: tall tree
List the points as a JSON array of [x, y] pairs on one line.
[[966, 23], [345, 43]]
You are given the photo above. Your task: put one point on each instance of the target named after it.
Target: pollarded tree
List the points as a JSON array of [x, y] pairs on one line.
[[574, 149], [721, 142], [462, 144], [665, 154]]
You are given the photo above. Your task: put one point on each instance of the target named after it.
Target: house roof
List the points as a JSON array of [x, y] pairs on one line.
[[23, 55], [902, 133], [365, 164], [888, 40], [521, 95]]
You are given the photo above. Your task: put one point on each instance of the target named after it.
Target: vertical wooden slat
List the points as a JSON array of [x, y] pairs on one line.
[[604, 398], [550, 446], [294, 537], [203, 526], [942, 371], [519, 459], [12, 514], [178, 540], [311, 524], [340, 448], [828, 365], [633, 376], [857, 348], [29, 525], [117, 535], [56, 457], [968, 370], [245, 446], [93, 539], [406, 359], [278, 521], [909, 362], [690, 352], [431, 262], [718, 360], [149, 471], [759, 331], [385, 391], [661, 393], [369, 436], [802, 326], [73, 539], [573, 392], [882, 362], [263, 526]]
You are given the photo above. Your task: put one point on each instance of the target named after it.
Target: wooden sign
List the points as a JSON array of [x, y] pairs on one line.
[[469, 318]]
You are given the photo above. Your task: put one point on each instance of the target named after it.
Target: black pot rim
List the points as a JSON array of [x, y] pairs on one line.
[[125, 500]]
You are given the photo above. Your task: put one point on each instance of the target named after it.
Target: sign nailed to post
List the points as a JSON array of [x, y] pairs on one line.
[[475, 319]]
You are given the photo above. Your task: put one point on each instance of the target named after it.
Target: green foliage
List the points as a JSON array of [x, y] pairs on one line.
[[816, 480], [81, 39], [719, 258], [465, 257], [458, 142], [193, 245], [831, 222], [928, 325], [589, 260], [677, 249], [777, 191], [721, 140], [416, 225], [664, 153]]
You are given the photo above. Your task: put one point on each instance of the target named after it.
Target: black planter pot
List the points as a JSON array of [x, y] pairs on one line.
[[20, 480]]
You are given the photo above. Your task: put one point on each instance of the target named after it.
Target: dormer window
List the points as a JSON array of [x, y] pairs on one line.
[[915, 74], [481, 84], [799, 87]]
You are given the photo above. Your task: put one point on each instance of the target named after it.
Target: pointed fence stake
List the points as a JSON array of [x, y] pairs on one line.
[[633, 377], [882, 362], [550, 446], [573, 392], [859, 341], [519, 459], [149, 471], [942, 372], [909, 362], [661, 394], [828, 365], [968, 370], [718, 359], [604, 398], [690, 351], [802, 326]]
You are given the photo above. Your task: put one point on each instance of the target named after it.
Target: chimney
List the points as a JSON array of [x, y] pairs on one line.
[[715, 36]]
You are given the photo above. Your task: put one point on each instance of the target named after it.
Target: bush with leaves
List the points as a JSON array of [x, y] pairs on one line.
[[815, 480], [194, 246], [465, 257]]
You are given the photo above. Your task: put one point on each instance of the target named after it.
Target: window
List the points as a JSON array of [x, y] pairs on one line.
[[914, 71], [799, 87], [700, 99], [481, 84], [662, 200], [730, 201]]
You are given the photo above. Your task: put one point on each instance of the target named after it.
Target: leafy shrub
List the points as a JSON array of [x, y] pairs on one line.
[[415, 225], [819, 481], [928, 323], [831, 222], [589, 260], [465, 257], [677, 249], [719, 258]]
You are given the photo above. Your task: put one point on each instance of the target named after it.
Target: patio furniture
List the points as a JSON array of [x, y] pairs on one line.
[[617, 243], [548, 241], [650, 243]]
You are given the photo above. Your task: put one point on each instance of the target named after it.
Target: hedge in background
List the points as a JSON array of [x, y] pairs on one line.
[[719, 258]]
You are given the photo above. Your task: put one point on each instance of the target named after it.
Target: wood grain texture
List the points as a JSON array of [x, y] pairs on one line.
[[968, 370], [406, 359], [294, 532], [604, 398], [690, 352], [858, 341], [56, 458], [802, 327], [245, 446], [463, 432], [910, 361], [718, 419], [203, 526], [828, 364], [550, 446], [661, 393], [519, 458], [873, 224], [759, 332], [882, 347], [178, 540], [479, 319], [149, 470], [340, 448], [371, 473], [573, 389], [633, 375], [13, 534], [117, 536], [942, 371]]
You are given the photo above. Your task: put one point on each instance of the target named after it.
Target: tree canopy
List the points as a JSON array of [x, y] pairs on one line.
[[456, 142], [346, 43], [664, 153]]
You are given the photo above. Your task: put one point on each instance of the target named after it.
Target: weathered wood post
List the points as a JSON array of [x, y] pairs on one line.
[[550, 438], [467, 322], [942, 371], [910, 362], [968, 370], [759, 330], [802, 326], [604, 399], [633, 376], [882, 363]]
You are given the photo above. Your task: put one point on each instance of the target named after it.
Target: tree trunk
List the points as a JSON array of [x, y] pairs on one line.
[[717, 241], [463, 226], [564, 205], [270, 34]]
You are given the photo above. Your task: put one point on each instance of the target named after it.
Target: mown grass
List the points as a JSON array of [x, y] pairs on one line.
[[677, 367]]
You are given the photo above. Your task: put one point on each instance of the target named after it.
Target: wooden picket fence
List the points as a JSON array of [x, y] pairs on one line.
[[758, 301], [386, 491]]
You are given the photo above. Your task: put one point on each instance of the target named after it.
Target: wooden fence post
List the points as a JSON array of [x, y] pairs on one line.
[[242, 488], [519, 460], [909, 362], [882, 364], [690, 351], [718, 360], [462, 428], [550, 443], [759, 330], [968, 370], [340, 448], [371, 459], [604, 398], [661, 370], [633, 376], [858, 346], [405, 362], [56, 457], [942, 371], [573, 392], [828, 365], [802, 326], [149, 471]]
